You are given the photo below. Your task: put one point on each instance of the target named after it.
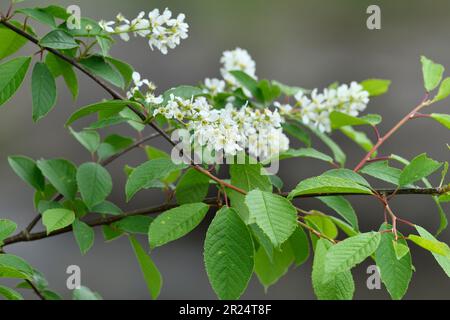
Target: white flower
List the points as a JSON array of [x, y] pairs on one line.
[[214, 86], [107, 25], [283, 108], [237, 59]]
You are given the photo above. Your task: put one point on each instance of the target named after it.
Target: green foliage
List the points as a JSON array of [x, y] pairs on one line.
[[340, 119], [152, 276], [376, 87], [43, 88], [59, 67], [61, 174], [10, 294], [176, 223], [381, 170], [443, 119], [7, 227], [228, 254], [58, 39], [11, 41], [55, 219], [420, 167], [94, 182], [192, 187], [432, 73], [84, 235], [88, 138], [84, 293], [13, 72], [103, 69], [28, 171], [343, 207]]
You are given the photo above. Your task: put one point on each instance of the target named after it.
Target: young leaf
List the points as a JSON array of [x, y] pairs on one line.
[[395, 272], [340, 119], [61, 174], [443, 119], [28, 171], [444, 90], [7, 227], [58, 39], [55, 219], [300, 246], [11, 41], [43, 88], [84, 235], [151, 273], [13, 72], [147, 173], [432, 73], [433, 246], [10, 294], [443, 261], [192, 187], [376, 87], [249, 83], [420, 167], [275, 215], [59, 67], [381, 170], [176, 223], [339, 287], [228, 254], [327, 184], [94, 182], [350, 252], [343, 208], [88, 138], [400, 249]]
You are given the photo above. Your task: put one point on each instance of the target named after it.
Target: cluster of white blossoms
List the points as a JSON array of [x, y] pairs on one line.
[[315, 110], [229, 129], [137, 89], [161, 30], [237, 59]]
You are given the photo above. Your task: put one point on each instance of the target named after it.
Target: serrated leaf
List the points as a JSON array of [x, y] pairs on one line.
[[420, 167], [148, 172], [347, 174], [102, 68], [327, 184], [395, 272], [192, 187], [343, 207], [28, 171], [376, 87], [303, 153], [339, 287], [112, 145], [275, 215], [176, 223], [87, 138], [13, 72], [432, 73], [11, 41], [61, 174], [299, 245], [341, 119], [43, 88], [7, 228], [55, 219], [152, 276], [228, 254], [84, 235], [350, 252], [443, 261], [134, 224], [381, 170], [58, 39], [94, 182], [107, 207]]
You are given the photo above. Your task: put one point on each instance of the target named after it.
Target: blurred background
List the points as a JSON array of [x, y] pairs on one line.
[[306, 43]]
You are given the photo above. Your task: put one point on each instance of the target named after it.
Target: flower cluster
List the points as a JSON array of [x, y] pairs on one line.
[[161, 30], [315, 110], [136, 90], [229, 130]]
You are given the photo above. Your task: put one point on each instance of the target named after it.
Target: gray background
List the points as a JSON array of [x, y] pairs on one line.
[[306, 43]]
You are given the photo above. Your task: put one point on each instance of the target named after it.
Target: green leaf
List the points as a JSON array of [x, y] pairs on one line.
[[88, 138], [376, 87], [84, 293], [43, 88], [339, 155], [107, 207], [7, 228], [147, 173], [343, 208], [303, 153], [39, 15], [298, 133], [420, 167], [13, 72], [339, 287], [28, 171], [102, 68], [151, 273], [400, 249], [443, 119], [61, 174], [55, 219], [12, 266], [327, 185], [155, 153], [381, 170], [299, 245], [59, 67], [94, 182], [432, 245], [11, 41], [288, 90], [112, 145], [275, 215], [228, 254], [56, 11], [432, 73], [360, 138], [110, 233], [124, 68], [395, 273], [192, 187], [340, 119], [58, 39], [347, 174], [134, 224], [443, 261], [176, 223], [112, 106], [444, 90], [323, 224], [84, 235], [350, 252], [184, 92], [10, 294], [246, 177], [249, 83], [269, 91]]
